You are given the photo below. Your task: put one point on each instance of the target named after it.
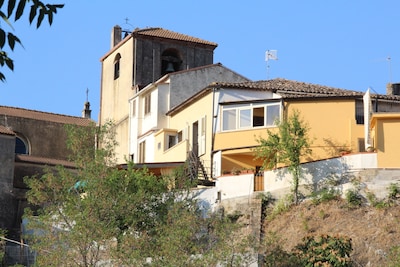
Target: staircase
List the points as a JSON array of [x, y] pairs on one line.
[[195, 170]]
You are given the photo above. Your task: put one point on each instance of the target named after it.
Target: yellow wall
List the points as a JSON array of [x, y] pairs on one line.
[[174, 154], [386, 134], [332, 126], [115, 94], [184, 121], [332, 129]]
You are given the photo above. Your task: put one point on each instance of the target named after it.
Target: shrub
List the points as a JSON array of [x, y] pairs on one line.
[[324, 250], [324, 195], [282, 205], [353, 198], [379, 204], [274, 255], [394, 191]]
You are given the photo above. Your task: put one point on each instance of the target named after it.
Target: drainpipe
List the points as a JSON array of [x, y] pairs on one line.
[[213, 131]]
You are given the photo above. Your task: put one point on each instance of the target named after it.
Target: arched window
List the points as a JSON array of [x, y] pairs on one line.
[[117, 66], [170, 61], [21, 145]]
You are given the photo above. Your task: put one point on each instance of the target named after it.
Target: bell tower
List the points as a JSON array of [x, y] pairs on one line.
[[138, 58]]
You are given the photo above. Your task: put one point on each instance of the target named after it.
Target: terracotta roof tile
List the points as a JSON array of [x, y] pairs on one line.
[[5, 130], [294, 89], [162, 33], [44, 116]]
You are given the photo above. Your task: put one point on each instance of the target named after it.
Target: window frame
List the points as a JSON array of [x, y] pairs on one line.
[[236, 113], [147, 104], [117, 66]]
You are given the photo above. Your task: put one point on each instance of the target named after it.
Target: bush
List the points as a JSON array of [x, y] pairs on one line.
[[275, 255], [394, 191], [324, 250], [353, 198], [324, 195]]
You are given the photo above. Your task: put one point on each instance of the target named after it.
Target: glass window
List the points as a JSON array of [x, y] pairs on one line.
[[229, 119], [273, 112], [171, 140], [116, 66], [20, 146], [147, 104], [245, 118], [258, 117]]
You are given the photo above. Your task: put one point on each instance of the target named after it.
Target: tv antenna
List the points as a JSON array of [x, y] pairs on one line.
[[270, 55]]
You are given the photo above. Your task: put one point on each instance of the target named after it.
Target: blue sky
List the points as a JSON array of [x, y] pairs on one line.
[[344, 44]]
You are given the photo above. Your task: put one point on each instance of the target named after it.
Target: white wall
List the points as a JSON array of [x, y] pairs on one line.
[[314, 172], [235, 185]]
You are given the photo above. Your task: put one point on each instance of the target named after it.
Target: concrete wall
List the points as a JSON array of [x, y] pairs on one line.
[[186, 84]]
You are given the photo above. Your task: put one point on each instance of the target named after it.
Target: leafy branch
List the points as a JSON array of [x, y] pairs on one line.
[[38, 11]]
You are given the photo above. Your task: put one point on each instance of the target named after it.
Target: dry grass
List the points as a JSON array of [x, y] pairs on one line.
[[373, 231]]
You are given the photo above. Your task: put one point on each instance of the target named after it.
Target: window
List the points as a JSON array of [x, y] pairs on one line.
[[273, 114], [229, 119], [180, 136], [21, 146], [247, 116], [116, 66], [172, 140], [359, 112], [258, 116], [142, 152], [147, 104]]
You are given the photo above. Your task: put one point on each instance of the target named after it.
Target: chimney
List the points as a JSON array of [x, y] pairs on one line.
[[116, 35], [393, 89]]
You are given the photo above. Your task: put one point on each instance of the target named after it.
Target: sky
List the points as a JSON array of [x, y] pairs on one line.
[[352, 45]]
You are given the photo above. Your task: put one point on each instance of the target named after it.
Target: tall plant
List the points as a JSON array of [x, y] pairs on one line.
[[287, 146]]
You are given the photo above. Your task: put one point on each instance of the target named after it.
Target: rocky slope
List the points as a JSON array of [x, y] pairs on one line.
[[373, 231]]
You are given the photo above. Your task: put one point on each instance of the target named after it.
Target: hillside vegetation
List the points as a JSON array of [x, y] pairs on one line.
[[374, 230]]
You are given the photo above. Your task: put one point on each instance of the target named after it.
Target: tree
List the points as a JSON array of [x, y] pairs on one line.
[[38, 11], [98, 214], [286, 146]]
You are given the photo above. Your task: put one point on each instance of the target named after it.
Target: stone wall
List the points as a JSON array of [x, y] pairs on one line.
[[7, 148]]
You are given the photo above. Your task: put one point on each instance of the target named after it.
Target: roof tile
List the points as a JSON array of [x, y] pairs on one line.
[[167, 34], [45, 116]]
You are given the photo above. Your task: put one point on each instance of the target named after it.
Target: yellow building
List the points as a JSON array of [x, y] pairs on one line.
[[385, 131], [234, 115]]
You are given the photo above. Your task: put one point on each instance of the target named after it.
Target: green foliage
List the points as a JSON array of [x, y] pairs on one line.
[[353, 198], [324, 250], [324, 195], [287, 146], [38, 11], [321, 250], [393, 259], [281, 206], [122, 216], [273, 253], [379, 204], [394, 191]]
